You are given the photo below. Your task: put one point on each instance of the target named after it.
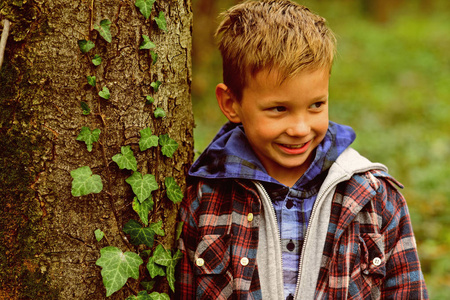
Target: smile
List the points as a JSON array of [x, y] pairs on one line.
[[295, 149], [293, 146]]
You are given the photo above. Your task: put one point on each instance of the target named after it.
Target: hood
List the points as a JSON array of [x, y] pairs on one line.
[[229, 155]]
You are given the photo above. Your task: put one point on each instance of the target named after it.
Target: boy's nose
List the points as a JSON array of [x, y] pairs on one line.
[[299, 127]]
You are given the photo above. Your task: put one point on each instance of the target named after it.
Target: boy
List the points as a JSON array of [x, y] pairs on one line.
[[279, 206]]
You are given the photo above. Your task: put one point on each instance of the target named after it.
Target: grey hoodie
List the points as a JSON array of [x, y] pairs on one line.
[[348, 163]]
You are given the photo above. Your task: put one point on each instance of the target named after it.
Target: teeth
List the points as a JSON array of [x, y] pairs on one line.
[[294, 146]]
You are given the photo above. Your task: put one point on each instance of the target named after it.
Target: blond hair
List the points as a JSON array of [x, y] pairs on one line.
[[281, 34]]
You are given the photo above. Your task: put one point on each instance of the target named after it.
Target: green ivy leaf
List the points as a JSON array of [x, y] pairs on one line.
[[143, 209], [149, 99], [159, 113], [142, 186], [168, 145], [104, 29], [85, 108], [174, 192], [92, 80], [157, 228], [158, 296], [170, 270], [117, 267], [154, 269], [154, 57], [177, 256], [104, 93], [125, 159], [138, 234], [147, 139], [99, 235], [146, 43], [155, 85], [162, 256], [88, 136], [161, 21], [85, 46], [97, 60], [84, 182], [142, 295], [145, 7], [179, 230], [148, 285]]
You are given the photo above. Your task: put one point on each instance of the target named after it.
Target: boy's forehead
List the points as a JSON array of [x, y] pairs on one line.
[[267, 76], [303, 87], [275, 76]]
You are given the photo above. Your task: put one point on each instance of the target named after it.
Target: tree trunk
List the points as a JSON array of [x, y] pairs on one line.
[[48, 248]]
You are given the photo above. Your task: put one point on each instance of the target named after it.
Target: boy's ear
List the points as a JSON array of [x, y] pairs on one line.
[[227, 103]]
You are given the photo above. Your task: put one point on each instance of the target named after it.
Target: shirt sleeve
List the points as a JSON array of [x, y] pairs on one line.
[[404, 278], [185, 280]]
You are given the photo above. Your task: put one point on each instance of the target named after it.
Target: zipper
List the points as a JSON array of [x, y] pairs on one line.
[[266, 195], [273, 213], [302, 256]]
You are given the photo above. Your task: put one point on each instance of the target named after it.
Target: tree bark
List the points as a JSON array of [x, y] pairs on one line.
[[47, 235]]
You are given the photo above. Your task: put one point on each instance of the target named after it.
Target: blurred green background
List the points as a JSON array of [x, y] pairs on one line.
[[391, 83]]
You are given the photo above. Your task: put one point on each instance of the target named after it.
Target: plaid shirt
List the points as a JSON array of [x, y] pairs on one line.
[[369, 253]]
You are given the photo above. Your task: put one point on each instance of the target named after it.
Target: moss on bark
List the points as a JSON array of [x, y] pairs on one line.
[[21, 234]]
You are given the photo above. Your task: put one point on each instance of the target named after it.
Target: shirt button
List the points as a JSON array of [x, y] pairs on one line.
[[250, 217], [289, 204], [377, 261], [200, 262], [290, 246], [244, 261]]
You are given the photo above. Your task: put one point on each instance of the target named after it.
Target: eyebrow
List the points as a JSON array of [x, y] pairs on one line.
[[280, 101], [321, 98]]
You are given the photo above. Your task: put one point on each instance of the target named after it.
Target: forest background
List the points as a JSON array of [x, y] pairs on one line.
[[391, 83]]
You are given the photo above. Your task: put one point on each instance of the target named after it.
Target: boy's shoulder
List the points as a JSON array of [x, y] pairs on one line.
[[378, 176], [355, 164], [352, 162], [364, 178]]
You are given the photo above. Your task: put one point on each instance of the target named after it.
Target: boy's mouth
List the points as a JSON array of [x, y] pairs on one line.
[[293, 146], [294, 149]]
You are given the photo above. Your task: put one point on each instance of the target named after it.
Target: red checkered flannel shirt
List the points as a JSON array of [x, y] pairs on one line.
[[369, 253]]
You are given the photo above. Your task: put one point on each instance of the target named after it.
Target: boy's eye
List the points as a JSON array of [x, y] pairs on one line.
[[317, 105], [278, 109]]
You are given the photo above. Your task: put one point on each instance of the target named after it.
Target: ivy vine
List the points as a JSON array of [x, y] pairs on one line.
[[118, 266]]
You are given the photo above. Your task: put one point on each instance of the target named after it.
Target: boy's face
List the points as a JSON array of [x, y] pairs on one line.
[[285, 122]]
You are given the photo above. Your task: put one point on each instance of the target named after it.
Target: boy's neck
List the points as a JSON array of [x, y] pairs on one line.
[[291, 176]]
